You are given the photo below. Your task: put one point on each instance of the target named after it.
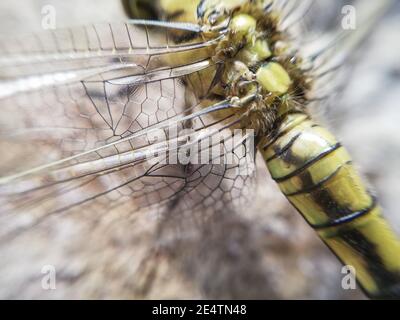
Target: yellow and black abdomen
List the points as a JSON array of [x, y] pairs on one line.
[[316, 174]]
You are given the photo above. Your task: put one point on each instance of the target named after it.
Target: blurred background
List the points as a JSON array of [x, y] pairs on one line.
[[266, 252]]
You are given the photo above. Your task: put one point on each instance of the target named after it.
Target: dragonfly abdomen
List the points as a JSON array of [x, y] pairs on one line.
[[316, 174]]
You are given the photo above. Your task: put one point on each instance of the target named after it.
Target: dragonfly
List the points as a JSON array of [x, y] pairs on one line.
[[163, 118]]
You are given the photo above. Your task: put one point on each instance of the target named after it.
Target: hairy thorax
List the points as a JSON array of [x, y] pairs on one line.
[[257, 67]]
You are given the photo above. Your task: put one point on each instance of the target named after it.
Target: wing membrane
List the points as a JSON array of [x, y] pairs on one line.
[[144, 182], [74, 96], [83, 145]]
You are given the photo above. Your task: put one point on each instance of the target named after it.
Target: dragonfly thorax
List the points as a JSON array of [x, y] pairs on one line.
[[258, 62]]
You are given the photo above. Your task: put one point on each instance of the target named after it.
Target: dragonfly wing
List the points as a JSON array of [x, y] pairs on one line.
[[142, 179], [73, 99], [334, 55], [84, 144]]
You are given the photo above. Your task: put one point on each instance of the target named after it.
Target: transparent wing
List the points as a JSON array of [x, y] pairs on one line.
[[79, 121], [76, 98], [333, 55]]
